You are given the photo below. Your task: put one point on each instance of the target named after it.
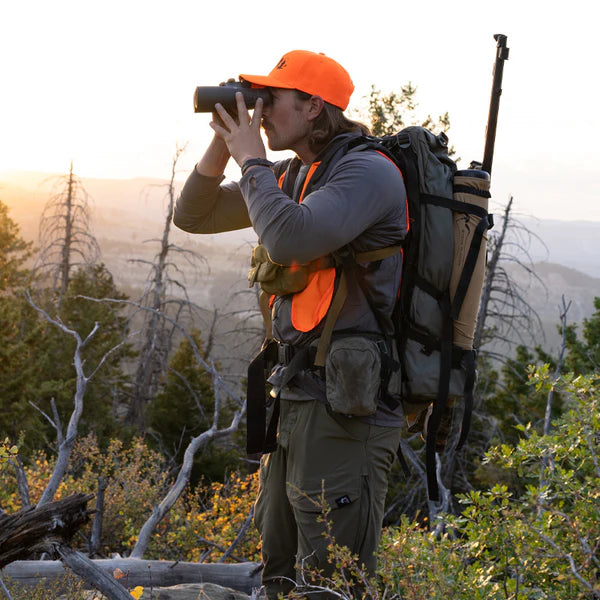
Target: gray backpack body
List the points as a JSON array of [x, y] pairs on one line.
[[436, 373]]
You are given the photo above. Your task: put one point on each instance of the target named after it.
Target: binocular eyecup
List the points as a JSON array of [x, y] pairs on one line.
[[205, 97]]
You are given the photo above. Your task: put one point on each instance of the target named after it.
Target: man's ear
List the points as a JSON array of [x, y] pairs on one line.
[[315, 107]]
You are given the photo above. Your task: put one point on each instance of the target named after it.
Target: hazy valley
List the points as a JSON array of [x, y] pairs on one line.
[[128, 217]]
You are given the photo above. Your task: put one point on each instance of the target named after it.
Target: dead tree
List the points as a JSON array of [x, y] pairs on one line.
[[150, 574], [38, 529], [159, 297], [65, 236], [66, 441], [50, 529], [504, 312], [220, 389]]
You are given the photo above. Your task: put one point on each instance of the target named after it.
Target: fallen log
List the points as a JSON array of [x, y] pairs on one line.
[[243, 577], [185, 591], [34, 530]]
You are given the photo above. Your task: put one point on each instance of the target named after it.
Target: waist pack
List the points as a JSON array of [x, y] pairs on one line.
[[444, 261]]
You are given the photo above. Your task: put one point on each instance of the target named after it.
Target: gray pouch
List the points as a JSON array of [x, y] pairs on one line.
[[353, 376]]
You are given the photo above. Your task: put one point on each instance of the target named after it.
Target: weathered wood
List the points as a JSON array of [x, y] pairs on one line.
[[41, 529], [194, 591], [243, 577], [186, 591], [92, 574]]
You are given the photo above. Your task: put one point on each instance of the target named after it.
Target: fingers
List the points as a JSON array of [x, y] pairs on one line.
[[226, 118], [257, 114], [221, 132], [242, 109], [243, 137]]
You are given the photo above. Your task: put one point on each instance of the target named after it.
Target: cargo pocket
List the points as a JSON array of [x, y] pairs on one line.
[[353, 376], [315, 501], [346, 522]]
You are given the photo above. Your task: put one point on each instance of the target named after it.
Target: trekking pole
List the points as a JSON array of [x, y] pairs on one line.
[[490, 133]]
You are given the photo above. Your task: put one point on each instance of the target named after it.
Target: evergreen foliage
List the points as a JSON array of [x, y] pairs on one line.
[[584, 354], [55, 377], [14, 253]]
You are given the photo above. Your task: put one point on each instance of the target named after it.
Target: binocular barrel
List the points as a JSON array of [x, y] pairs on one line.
[[205, 97]]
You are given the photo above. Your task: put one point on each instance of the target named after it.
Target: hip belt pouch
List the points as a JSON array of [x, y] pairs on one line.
[[353, 376]]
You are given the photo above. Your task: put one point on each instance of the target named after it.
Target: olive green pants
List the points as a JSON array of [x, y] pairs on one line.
[[321, 456]]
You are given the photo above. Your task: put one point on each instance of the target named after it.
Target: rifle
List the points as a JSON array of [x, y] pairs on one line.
[[490, 132]]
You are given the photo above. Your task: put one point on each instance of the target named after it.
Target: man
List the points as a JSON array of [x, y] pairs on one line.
[[325, 450]]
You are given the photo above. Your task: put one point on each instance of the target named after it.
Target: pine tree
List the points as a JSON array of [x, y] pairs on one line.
[[584, 354], [55, 377]]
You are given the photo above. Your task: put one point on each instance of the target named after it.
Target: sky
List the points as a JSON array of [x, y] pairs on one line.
[[109, 85]]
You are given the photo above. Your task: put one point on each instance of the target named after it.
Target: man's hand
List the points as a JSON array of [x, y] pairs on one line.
[[243, 139]]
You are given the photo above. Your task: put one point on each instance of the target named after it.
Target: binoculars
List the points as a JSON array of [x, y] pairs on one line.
[[206, 97]]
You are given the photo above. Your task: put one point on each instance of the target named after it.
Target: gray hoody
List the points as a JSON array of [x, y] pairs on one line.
[[361, 202]]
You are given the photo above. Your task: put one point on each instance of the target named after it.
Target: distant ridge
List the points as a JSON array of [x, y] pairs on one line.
[[123, 208]]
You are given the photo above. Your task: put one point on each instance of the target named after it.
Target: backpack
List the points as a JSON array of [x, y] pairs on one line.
[[444, 258], [444, 263]]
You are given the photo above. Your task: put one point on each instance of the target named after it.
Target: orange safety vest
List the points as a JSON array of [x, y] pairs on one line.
[[311, 304]]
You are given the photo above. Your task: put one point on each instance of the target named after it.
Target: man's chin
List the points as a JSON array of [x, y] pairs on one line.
[[273, 145]]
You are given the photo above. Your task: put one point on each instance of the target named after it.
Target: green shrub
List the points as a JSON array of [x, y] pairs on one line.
[[543, 544]]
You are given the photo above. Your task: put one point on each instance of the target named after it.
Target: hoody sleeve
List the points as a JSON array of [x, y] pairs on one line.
[[207, 205]]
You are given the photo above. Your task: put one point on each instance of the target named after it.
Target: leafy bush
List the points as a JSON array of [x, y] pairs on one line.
[[544, 543], [202, 524], [68, 586]]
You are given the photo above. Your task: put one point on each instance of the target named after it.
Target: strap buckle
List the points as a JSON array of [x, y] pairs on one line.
[[285, 352]]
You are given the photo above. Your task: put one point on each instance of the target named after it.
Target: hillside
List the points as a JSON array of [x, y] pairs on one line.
[[545, 293], [128, 214]]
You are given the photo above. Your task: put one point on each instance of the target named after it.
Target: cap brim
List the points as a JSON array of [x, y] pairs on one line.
[[265, 81]]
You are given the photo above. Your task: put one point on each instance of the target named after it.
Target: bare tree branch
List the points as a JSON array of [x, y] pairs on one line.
[[66, 445], [181, 482], [239, 536]]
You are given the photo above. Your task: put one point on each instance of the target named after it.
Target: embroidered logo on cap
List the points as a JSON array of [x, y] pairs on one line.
[[343, 501], [281, 64]]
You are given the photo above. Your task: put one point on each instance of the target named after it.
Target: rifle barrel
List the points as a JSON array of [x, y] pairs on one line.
[[490, 134]]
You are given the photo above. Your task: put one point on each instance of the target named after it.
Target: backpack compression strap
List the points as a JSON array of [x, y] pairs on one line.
[[342, 292]]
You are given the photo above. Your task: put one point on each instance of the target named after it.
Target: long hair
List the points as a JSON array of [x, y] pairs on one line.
[[330, 122]]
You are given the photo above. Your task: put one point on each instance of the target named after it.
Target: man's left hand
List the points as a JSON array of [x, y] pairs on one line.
[[243, 139]]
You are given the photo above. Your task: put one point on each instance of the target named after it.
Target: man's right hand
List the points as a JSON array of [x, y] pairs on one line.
[[242, 136]]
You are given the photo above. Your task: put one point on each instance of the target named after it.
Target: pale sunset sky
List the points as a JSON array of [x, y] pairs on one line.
[[109, 85]]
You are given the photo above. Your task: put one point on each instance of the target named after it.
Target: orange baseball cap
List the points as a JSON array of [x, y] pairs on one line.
[[310, 72]]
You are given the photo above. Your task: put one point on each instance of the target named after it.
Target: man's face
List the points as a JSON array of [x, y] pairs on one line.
[[285, 120]]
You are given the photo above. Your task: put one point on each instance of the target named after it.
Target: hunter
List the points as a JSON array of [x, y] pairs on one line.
[[337, 213]]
